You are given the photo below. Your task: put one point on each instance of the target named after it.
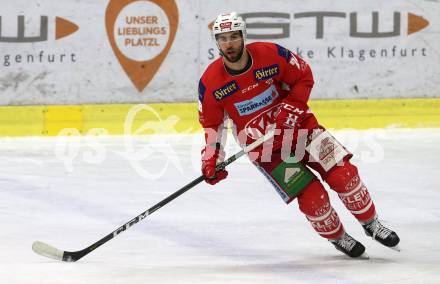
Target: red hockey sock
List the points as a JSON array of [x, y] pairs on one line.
[[315, 204], [354, 194]]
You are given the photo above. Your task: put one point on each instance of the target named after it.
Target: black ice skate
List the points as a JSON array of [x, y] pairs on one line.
[[382, 234], [348, 245]]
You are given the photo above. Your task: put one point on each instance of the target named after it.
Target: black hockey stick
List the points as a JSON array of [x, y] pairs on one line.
[[72, 256]]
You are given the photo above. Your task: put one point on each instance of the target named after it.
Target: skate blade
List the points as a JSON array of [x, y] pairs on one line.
[[364, 256], [396, 248]]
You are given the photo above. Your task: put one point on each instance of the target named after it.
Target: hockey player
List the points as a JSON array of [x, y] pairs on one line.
[[262, 86]]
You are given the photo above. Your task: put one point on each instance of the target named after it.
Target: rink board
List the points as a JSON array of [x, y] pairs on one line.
[[116, 119], [356, 49]]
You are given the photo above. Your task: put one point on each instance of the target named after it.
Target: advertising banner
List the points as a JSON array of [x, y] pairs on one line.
[[136, 51]]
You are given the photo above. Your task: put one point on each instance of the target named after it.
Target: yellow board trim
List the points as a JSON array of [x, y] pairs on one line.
[[182, 117], [57, 118], [22, 121]]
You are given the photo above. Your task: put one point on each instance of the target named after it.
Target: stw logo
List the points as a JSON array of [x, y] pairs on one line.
[[276, 25], [63, 28]]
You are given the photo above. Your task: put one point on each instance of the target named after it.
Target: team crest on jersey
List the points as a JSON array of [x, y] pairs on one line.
[[225, 91], [266, 72], [258, 102], [256, 127]]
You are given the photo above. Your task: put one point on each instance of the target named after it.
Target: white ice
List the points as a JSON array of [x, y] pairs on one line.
[[69, 192]]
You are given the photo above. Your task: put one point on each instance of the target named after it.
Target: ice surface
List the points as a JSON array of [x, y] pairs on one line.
[[69, 192]]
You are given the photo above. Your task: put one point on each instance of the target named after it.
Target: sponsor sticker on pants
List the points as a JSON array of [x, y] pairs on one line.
[[292, 176]]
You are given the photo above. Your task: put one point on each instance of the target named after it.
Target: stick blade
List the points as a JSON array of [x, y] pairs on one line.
[[47, 250]]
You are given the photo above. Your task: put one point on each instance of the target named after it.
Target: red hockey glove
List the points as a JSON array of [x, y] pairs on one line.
[[288, 122], [210, 156]]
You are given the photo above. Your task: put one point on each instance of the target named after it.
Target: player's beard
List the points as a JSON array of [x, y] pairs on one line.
[[237, 56]]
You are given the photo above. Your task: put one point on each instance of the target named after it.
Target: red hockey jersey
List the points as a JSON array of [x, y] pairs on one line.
[[252, 99]]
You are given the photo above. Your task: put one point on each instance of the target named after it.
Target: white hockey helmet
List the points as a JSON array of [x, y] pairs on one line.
[[229, 22]]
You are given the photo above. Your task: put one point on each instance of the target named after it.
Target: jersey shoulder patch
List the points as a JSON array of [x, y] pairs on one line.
[[284, 52], [202, 90]]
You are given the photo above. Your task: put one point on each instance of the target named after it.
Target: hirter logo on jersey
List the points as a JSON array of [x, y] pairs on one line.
[[266, 72], [225, 91]]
